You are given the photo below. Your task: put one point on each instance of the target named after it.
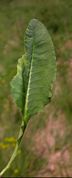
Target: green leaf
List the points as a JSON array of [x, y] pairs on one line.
[[36, 71], [17, 84]]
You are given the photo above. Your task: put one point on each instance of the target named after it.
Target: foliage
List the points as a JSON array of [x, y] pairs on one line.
[[36, 71], [31, 87]]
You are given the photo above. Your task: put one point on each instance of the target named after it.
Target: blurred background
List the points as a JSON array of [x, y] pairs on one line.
[[46, 148]]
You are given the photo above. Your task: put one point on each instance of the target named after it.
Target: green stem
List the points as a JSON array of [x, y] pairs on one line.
[[21, 132]]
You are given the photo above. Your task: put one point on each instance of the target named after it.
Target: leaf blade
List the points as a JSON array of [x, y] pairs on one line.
[[43, 67], [17, 84], [36, 71]]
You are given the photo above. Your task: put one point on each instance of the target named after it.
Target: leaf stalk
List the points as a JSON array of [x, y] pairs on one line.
[[15, 152]]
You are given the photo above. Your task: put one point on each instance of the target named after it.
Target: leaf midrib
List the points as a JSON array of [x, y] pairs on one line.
[[28, 87]]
